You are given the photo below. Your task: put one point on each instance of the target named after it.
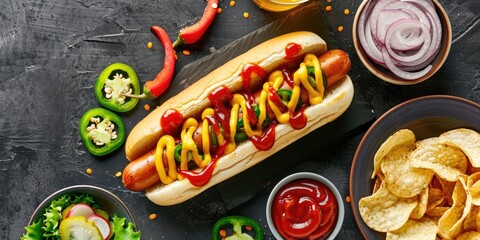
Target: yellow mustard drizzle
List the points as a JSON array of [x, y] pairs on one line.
[[315, 96], [166, 142], [189, 146], [275, 80], [206, 138]]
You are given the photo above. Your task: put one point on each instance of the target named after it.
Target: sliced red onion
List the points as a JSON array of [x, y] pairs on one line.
[[409, 25], [403, 74], [410, 8], [405, 40], [385, 19], [401, 35], [374, 47], [364, 33], [373, 18]]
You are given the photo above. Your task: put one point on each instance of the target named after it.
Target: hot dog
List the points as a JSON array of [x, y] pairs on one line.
[[279, 91]]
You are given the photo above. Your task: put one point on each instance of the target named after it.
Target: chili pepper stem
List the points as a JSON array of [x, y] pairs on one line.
[[177, 42], [141, 96]]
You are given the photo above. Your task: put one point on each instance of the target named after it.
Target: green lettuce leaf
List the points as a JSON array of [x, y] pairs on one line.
[[47, 225], [122, 232], [33, 232]]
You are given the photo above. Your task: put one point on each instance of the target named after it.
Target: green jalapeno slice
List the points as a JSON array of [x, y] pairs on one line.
[[177, 154], [240, 135], [240, 226], [286, 95], [102, 131], [116, 81], [313, 81]]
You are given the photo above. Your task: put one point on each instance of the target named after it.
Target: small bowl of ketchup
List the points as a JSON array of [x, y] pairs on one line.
[[305, 205]]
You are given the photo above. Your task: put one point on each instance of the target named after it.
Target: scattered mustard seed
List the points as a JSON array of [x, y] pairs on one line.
[[223, 233], [146, 107]]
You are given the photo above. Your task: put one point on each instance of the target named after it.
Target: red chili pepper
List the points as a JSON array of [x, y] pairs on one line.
[[193, 33], [154, 88]]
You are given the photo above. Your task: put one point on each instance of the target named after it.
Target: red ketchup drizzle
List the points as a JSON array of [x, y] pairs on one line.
[[199, 178], [202, 177], [298, 120], [304, 208], [222, 114], [273, 96], [266, 141], [214, 123], [291, 51], [171, 122], [287, 76], [247, 72], [249, 100]]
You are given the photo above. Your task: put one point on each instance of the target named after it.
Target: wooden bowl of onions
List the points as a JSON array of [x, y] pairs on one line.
[[403, 42]]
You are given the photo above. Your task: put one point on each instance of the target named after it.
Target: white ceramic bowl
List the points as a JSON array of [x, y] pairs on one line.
[[312, 176]]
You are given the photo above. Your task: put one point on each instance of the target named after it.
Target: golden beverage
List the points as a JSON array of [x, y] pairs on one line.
[[278, 5]]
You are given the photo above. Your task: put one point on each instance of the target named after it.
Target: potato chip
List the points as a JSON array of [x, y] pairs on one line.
[[471, 169], [423, 228], [437, 211], [473, 185], [477, 219], [446, 161], [426, 141], [470, 223], [451, 223], [426, 189], [469, 236], [401, 137], [421, 207], [465, 139], [447, 188], [435, 198], [402, 179], [384, 211], [377, 184]]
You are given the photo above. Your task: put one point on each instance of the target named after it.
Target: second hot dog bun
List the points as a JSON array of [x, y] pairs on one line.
[[191, 101], [337, 100]]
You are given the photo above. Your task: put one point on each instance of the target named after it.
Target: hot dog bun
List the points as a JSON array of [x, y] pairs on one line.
[[191, 101], [246, 155]]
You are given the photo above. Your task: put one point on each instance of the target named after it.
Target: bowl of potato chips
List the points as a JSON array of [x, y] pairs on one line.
[[416, 172]]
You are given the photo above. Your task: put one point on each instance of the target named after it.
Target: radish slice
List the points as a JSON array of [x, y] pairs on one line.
[[80, 209], [102, 224], [401, 35]]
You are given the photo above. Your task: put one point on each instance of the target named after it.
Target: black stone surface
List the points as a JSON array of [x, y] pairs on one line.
[[52, 51]]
